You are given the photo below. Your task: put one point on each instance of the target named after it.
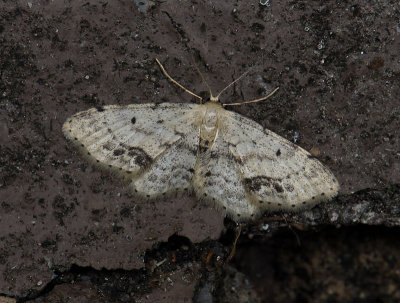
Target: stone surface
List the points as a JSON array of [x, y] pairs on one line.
[[338, 71]]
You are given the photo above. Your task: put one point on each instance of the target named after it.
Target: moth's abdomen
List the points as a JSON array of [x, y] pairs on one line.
[[208, 130]]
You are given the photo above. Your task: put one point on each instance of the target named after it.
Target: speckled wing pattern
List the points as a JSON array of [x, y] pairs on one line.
[[276, 173], [221, 156], [152, 144]]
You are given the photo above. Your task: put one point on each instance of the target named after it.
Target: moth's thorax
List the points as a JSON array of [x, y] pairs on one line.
[[211, 120]]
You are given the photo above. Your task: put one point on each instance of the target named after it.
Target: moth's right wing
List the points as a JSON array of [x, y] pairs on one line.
[[131, 138]]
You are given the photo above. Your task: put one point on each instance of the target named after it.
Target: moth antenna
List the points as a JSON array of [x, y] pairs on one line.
[[253, 101], [176, 83], [241, 76]]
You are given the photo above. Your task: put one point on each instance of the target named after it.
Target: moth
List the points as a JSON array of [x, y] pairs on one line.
[[220, 156]]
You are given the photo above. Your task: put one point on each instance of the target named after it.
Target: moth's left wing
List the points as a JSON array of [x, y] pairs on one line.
[[131, 138]]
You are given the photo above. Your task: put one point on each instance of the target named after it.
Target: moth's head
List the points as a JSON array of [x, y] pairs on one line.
[[213, 99]]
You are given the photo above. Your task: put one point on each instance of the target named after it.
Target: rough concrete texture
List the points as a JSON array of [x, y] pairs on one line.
[[338, 70], [175, 286]]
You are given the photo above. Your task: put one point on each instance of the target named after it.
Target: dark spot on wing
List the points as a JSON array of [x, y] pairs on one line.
[[160, 121], [142, 159], [118, 152], [202, 149], [208, 174], [238, 160], [193, 150], [278, 152], [204, 145], [191, 170], [133, 120], [100, 108], [255, 184], [214, 155], [278, 187], [107, 146]]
